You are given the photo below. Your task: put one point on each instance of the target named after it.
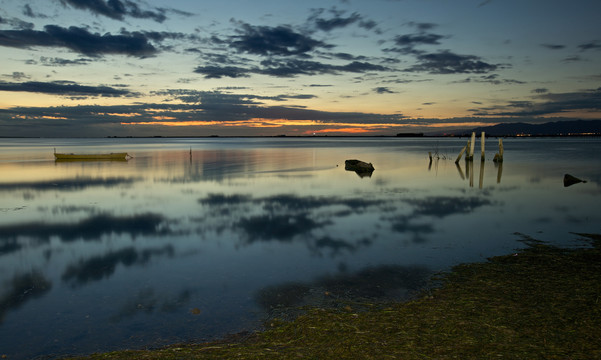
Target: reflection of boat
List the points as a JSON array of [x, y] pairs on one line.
[[111, 156]]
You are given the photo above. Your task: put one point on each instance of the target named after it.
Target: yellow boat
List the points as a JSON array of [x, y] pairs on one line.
[[111, 156]]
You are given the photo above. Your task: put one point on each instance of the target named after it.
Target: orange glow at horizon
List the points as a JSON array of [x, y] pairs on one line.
[[46, 117], [344, 130], [463, 124], [256, 122], [318, 127], [121, 114]]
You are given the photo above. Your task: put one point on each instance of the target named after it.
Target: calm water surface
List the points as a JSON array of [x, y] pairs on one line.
[[192, 239]]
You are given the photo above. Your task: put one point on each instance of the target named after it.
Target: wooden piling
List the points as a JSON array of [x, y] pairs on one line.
[[470, 156], [461, 154], [482, 146], [499, 155]]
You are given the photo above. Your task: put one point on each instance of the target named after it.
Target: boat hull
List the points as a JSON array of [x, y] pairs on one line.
[[111, 156]]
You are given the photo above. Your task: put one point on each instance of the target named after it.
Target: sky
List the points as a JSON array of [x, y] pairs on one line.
[[276, 67]]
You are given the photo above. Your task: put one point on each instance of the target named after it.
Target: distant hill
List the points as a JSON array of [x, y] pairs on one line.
[[557, 128]]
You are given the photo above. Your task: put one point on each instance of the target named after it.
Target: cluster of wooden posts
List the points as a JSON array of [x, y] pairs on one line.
[[471, 145], [468, 150]]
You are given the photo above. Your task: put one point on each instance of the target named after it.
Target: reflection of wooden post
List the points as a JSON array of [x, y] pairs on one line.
[[499, 155], [499, 172], [481, 174], [461, 153], [470, 166], [460, 171], [482, 146]]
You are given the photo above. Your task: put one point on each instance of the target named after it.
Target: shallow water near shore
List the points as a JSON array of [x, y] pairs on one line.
[[192, 239]]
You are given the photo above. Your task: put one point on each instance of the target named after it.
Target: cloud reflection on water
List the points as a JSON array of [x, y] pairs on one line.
[[100, 267], [372, 284], [240, 227], [21, 289], [75, 184], [91, 228]]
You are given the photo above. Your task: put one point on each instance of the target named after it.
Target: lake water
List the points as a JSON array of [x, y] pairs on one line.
[[193, 239]]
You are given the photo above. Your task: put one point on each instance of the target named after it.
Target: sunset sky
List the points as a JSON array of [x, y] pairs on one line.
[[267, 67]]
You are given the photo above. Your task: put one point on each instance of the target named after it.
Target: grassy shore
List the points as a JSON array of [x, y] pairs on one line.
[[543, 302]]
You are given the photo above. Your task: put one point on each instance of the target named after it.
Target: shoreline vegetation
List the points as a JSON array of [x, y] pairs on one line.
[[542, 302]]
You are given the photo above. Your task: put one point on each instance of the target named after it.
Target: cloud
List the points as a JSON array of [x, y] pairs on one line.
[[80, 40], [212, 107], [422, 26], [63, 88], [117, 9], [17, 23], [447, 62], [384, 90], [55, 61], [337, 21], [287, 68], [573, 59], [553, 46], [217, 72], [17, 75], [592, 45], [28, 11], [490, 79], [412, 40], [267, 41], [540, 90], [548, 103]]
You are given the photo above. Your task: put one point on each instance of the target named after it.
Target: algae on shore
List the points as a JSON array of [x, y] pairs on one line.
[[542, 302]]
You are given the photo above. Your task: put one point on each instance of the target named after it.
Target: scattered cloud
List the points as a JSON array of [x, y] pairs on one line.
[[267, 40], [336, 21], [63, 88], [17, 75], [28, 11], [447, 62], [55, 61], [217, 72], [117, 9], [573, 59], [80, 40], [491, 79], [553, 46], [412, 40], [546, 103], [384, 90], [592, 45], [287, 68], [17, 23]]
